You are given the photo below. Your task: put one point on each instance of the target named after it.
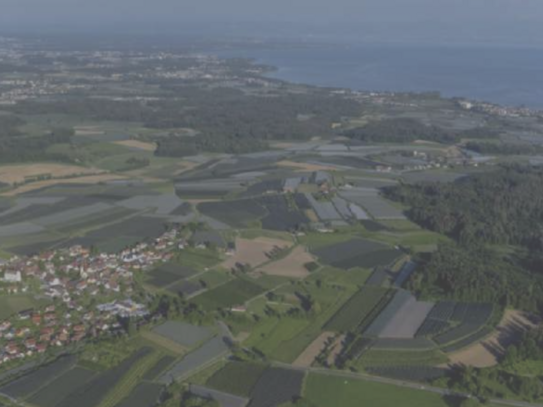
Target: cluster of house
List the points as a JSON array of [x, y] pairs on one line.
[[90, 291]]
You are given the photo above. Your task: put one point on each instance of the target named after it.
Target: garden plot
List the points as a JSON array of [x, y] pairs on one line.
[[277, 386], [224, 399], [185, 334], [159, 367], [41, 377], [280, 215], [94, 392], [143, 395], [162, 204], [293, 265], [371, 201], [234, 213], [324, 210], [232, 293], [73, 214], [357, 253], [18, 229], [359, 310], [207, 353], [169, 273], [236, 378], [254, 252], [186, 288]]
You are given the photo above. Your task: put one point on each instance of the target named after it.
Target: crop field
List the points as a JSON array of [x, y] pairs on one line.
[[359, 307], [281, 216], [357, 253], [409, 373], [70, 382], [276, 386], [235, 292], [160, 366], [143, 395], [419, 343], [130, 380], [186, 288], [237, 378], [469, 318], [169, 273], [28, 384], [239, 213], [326, 391], [207, 353], [185, 334], [92, 394]]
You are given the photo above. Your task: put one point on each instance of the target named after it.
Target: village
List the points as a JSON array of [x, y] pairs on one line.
[[86, 294]]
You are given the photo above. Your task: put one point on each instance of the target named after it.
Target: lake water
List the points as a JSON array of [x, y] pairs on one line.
[[508, 76]]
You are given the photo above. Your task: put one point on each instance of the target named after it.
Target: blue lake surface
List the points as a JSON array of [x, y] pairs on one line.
[[507, 76]]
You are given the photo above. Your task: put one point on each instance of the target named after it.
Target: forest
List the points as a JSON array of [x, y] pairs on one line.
[[495, 221], [18, 147], [404, 130], [504, 206]]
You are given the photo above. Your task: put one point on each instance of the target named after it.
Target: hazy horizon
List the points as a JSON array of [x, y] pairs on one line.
[[516, 22]]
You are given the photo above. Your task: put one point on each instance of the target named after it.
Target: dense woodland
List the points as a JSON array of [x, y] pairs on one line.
[[226, 120], [18, 147], [405, 130], [482, 213], [483, 147]]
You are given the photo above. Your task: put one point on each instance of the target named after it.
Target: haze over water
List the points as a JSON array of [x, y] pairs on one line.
[[510, 76]]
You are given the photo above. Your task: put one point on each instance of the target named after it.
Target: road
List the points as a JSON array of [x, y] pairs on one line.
[[400, 383]]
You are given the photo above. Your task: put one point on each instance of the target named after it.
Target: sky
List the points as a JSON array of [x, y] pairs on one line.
[[465, 18]]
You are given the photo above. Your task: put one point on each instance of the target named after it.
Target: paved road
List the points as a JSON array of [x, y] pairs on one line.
[[401, 383]]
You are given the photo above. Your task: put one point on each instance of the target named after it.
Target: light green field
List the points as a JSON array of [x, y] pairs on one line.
[[13, 304], [327, 391]]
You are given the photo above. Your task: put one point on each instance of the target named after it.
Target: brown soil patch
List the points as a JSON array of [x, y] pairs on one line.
[[92, 179], [307, 357], [336, 350], [291, 265], [186, 166], [12, 174], [305, 166], [140, 145], [488, 352], [253, 251], [88, 131]]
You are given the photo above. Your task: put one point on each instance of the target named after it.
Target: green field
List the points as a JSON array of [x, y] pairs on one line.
[[402, 358], [235, 292], [13, 304], [328, 391]]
